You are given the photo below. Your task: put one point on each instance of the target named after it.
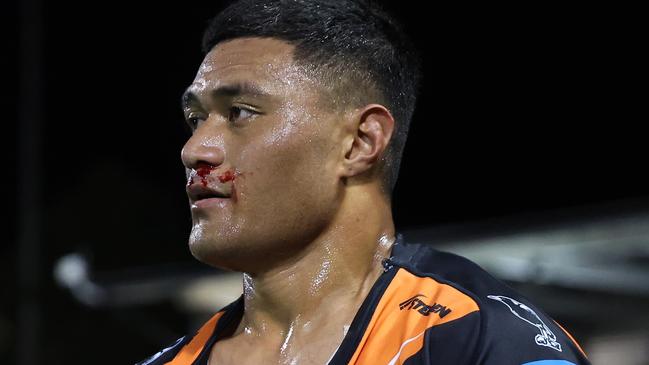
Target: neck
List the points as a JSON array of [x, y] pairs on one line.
[[336, 270]]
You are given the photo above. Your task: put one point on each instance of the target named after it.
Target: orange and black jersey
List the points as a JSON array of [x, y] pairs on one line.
[[427, 307]]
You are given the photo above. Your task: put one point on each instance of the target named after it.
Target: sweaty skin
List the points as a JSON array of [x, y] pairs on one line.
[[307, 222]]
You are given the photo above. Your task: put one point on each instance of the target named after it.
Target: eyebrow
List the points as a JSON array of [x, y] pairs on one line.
[[229, 90]]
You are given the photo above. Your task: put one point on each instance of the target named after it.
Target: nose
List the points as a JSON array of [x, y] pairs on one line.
[[204, 146]]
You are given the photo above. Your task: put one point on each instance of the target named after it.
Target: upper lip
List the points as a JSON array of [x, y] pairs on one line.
[[197, 191]]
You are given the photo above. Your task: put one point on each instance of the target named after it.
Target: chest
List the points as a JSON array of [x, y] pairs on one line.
[[312, 351]]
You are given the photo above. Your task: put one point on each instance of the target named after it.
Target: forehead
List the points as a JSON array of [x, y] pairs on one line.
[[266, 62]]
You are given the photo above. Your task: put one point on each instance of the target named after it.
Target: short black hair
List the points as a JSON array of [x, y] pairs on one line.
[[359, 49]]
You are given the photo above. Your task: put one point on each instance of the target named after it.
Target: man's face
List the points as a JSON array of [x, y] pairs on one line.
[[272, 151]]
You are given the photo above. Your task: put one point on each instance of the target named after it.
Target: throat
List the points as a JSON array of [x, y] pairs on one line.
[[290, 299], [302, 309]]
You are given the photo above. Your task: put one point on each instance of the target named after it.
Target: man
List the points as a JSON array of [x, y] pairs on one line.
[[299, 113]]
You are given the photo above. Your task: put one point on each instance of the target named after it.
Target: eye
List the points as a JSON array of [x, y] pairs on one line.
[[239, 113], [193, 121]]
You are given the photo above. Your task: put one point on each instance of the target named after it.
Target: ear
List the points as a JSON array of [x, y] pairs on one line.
[[369, 134]]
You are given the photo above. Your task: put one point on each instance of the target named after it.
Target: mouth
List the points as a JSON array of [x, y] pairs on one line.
[[198, 192]]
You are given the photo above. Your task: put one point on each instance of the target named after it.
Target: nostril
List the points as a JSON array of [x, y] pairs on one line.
[[204, 166], [203, 169]]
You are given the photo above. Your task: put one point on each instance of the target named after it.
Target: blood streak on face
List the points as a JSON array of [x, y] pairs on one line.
[[227, 176], [204, 170]]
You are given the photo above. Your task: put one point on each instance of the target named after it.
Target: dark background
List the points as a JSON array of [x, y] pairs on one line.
[[523, 109]]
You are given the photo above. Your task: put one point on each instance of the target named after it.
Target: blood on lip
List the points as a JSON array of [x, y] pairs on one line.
[[203, 170]]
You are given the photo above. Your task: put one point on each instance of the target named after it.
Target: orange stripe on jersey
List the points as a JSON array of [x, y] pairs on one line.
[[409, 306], [189, 353], [572, 339]]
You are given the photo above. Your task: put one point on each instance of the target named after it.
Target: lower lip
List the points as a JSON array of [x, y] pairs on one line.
[[209, 203]]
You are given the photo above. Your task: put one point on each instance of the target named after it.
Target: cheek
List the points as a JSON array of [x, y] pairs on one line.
[[272, 167], [288, 161]]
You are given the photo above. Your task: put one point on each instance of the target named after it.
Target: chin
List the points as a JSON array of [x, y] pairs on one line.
[[213, 247], [213, 254], [230, 254], [236, 254]]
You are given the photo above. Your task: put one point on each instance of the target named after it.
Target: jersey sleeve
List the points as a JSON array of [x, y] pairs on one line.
[[515, 332]]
